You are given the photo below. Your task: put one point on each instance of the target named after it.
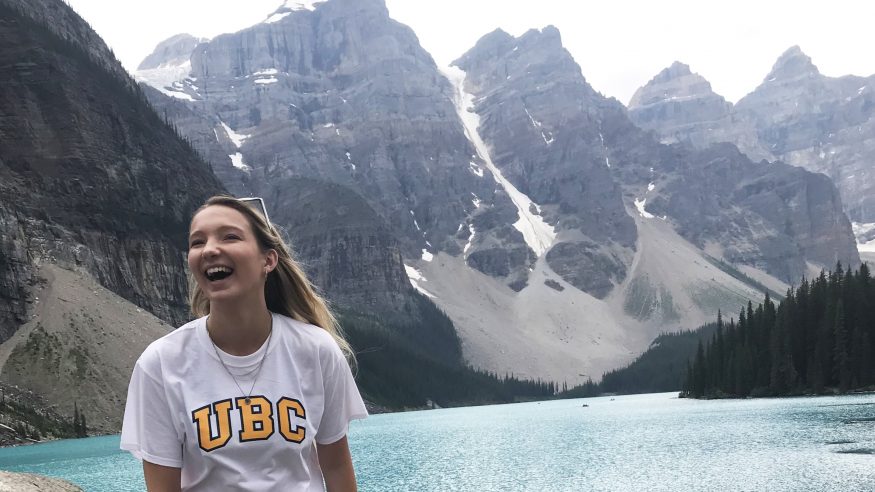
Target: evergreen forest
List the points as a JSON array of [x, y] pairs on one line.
[[818, 340], [395, 372], [661, 368]]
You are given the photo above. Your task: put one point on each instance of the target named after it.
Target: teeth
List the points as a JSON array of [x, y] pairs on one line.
[[214, 270]]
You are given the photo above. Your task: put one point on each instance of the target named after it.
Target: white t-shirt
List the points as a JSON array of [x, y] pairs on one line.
[[185, 411]]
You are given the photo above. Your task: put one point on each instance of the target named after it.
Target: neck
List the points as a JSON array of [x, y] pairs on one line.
[[238, 331]]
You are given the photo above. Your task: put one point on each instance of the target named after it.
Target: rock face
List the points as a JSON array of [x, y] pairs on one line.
[[94, 179], [577, 154], [29, 482], [540, 120], [797, 116], [343, 94], [175, 50], [683, 108]]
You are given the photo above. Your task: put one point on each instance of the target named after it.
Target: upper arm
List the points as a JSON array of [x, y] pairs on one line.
[[336, 465], [162, 478]]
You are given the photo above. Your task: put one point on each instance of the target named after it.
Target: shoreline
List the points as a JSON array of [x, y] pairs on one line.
[[27, 482]]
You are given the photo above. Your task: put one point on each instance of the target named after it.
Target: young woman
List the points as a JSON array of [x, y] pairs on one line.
[[256, 394]]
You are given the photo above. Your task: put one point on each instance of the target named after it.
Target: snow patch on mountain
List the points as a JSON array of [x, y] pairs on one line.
[[297, 5], [276, 17], [865, 234], [290, 6], [237, 161], [476, 169], [538, 234], [605, 150], [415, 279], [237, 138], [470, 240], [168, 78], [538, 125], [639, 204]]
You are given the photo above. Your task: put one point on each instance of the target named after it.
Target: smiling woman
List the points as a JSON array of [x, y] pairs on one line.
[[259, 382]]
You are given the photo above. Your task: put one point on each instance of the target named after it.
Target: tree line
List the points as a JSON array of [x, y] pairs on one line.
[[661, 368], [819, 339]]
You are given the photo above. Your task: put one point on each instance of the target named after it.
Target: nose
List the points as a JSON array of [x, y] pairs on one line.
[[210, 249]]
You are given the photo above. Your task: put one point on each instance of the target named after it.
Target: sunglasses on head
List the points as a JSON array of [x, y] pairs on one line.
[[257, 204]]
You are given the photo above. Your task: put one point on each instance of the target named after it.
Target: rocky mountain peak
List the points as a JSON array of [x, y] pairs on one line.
[[351, 7], [792, 64], [533, 57], [548, 36], [676, 83], [491, 45], [676, 70], [174, 50], [290, 6]]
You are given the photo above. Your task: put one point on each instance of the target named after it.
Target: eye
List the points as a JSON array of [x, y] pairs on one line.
[[232, 237], [196, 242]]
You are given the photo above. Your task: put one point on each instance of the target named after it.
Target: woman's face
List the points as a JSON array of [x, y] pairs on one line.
[[224, 255]]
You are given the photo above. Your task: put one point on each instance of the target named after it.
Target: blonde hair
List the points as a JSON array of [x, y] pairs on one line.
[[287, 290]]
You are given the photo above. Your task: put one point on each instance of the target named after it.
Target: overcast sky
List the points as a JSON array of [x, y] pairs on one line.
[[619, 44]]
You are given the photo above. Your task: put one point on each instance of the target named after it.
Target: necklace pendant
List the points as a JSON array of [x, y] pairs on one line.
[[247, 400]]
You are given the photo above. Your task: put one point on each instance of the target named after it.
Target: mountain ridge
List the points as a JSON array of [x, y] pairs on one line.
[[542, 150]]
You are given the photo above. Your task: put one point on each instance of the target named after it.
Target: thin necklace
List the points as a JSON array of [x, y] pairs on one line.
[[246, 396]]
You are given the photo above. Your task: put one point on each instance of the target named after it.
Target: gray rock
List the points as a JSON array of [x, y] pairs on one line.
[[796, 115], [540, 118], [174, 50], [30, 482], [345, 95], [94, 179]]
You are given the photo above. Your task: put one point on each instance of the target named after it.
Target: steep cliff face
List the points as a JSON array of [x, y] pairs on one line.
[[347, 248], [821, 123], [344, 94], [797, 115], [92, 177], [681, 106], [562, 143], [541, 122]]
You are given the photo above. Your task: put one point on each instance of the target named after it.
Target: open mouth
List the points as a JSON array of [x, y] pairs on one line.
[[218, 273]]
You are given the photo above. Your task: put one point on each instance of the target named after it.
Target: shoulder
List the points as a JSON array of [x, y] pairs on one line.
[[310, 338], [169, 348]]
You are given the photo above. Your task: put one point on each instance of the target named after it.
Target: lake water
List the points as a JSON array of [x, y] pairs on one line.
[[627, 443]]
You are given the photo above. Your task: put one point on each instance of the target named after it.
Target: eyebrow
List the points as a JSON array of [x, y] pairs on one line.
[[221, 228]]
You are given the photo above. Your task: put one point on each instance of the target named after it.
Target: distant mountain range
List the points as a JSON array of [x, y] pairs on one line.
[[797, 116], [557, 235]]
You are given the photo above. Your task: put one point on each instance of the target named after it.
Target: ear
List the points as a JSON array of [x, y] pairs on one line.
[[271, 258]]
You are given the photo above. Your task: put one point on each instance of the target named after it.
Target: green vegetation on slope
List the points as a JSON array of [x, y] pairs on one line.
[[406, 372], [818, 339], [661, 368]]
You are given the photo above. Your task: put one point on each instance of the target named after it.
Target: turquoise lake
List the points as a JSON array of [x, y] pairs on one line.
[[626, 443]]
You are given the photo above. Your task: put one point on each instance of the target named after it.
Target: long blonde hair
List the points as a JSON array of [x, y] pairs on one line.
[[287, 290]]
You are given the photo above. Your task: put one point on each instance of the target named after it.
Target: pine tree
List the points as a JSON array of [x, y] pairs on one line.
[[841, 369]]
